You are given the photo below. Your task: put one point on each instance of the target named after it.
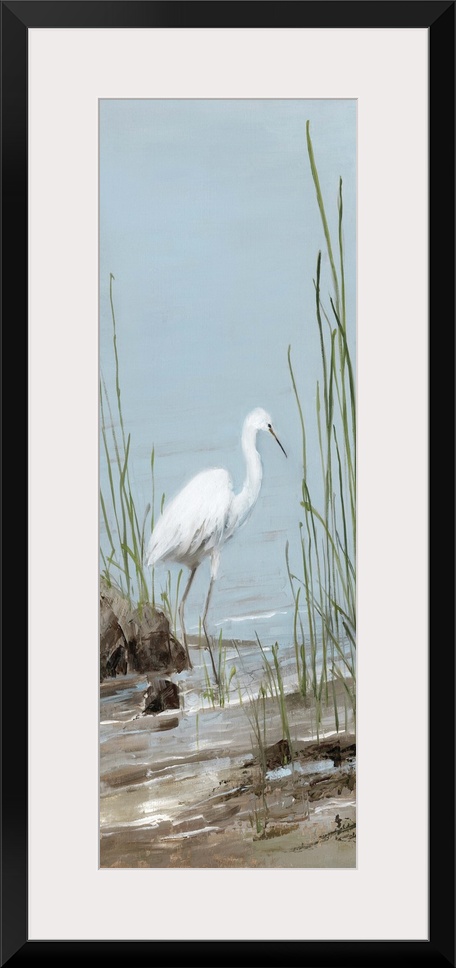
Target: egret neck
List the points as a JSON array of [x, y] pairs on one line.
[[244, 502]]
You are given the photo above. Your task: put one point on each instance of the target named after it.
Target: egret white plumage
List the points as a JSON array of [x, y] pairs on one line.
[[206, 513]]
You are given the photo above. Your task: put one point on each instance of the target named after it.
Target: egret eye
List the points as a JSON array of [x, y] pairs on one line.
[[269, 427]]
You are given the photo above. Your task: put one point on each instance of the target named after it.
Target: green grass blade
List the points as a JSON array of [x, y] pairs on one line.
[[321, 206]]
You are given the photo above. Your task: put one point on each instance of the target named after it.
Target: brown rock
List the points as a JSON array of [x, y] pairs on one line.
[[278, 755], [113, 645], [149, 640], [135, 640], [161, 694]]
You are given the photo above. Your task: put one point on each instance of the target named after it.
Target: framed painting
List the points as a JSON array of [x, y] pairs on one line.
[[230, 287], [208, 628]]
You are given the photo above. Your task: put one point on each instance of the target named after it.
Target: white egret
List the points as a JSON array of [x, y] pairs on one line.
[[206, 513]]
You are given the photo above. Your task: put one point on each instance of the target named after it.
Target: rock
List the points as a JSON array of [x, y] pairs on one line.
[[278, 755], [161, 694], [151, 643], [113, 645], [111, 597], [344, 749], [117, 663], [333, 753], [135, 640]]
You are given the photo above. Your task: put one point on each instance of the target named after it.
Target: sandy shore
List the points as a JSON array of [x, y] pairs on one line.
[[184, 787]]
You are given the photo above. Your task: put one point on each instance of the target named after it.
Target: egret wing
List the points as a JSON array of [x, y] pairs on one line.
[[194, 522]]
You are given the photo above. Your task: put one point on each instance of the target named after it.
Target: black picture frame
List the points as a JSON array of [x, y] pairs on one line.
[[17, 17]]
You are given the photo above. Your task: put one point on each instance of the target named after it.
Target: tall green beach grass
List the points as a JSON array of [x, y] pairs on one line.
[[127, 531], [123, 562], [325, 581]]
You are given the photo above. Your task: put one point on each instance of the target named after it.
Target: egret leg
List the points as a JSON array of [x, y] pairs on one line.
[[181, 612], [206, 607]]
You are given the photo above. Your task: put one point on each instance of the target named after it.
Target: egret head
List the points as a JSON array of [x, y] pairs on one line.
[[259, 419]]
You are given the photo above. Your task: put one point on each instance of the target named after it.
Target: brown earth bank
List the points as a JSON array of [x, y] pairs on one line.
[[188, 785]]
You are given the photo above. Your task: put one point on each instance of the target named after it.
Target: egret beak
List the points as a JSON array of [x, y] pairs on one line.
[[277, 439]]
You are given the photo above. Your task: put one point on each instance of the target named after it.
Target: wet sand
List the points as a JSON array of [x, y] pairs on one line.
[[184, 788]]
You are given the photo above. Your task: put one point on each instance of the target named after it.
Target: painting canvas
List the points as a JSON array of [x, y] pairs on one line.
[[227, 314]]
